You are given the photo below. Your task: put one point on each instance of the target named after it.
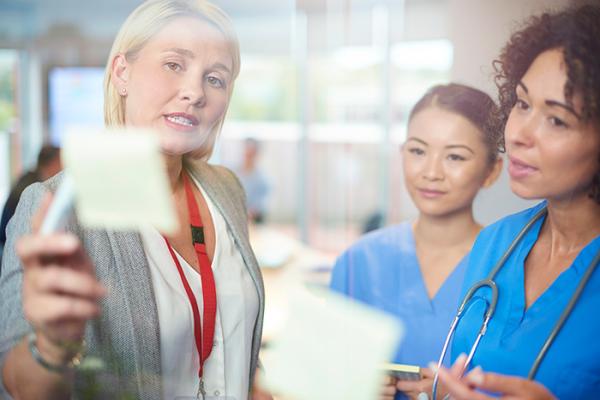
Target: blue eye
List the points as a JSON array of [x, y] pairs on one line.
[[216, 82]]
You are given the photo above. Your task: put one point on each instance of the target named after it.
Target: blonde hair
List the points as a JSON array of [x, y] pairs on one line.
[[141, 25]]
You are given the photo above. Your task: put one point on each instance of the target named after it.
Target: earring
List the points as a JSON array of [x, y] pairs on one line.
[[123, 91]]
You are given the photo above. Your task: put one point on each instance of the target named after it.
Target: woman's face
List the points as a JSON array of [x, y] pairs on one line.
[[445, 162], [552, 153], [178, 83]]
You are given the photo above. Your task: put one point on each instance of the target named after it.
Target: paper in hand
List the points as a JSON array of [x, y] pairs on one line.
[[120, 180], [331, 348]]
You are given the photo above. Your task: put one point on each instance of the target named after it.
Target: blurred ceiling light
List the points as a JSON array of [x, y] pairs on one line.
[[356, 57], [434, 55]]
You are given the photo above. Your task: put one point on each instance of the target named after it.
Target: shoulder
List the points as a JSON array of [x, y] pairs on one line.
[[379, 244], [391, 236], [494, 240]]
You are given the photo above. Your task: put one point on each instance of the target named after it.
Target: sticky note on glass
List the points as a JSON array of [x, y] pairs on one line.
[[120, 180], [331, 348]]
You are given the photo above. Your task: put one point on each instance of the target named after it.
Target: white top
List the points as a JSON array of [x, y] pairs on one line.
[[227, 370]]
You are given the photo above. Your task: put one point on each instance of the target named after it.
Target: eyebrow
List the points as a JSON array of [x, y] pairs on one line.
[[450, 146], [182, 52], [222, 67], [554, 103], [417, 140], [190, 54], [460, 146]]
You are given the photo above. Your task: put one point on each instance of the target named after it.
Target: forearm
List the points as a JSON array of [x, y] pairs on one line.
[[25, 379]]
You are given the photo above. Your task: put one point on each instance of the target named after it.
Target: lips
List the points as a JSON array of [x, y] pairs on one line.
[[518, 169], [181, 121], [430, 193]]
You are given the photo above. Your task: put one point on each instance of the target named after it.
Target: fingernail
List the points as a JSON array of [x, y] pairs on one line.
[[476, 376], [69, 241], [102, 290], [433, 367], [461, 358]]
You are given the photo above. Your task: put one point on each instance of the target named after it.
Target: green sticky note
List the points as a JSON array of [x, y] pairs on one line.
[[120, 180], [331, 348]]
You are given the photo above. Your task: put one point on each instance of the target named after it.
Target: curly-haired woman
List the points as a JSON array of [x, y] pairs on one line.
[[549, 80]]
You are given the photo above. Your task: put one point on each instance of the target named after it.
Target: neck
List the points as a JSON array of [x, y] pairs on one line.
[[248, 165], [572, 223], [174, 171], [458, 229]]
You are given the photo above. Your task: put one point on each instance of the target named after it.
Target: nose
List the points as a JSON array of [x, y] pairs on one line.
[[433, 169], [519, 130], [193, 93]]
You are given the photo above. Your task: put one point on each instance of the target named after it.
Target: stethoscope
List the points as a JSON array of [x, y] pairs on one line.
[[491, 306]]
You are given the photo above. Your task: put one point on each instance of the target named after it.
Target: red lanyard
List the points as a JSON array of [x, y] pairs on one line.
[[205, 330]]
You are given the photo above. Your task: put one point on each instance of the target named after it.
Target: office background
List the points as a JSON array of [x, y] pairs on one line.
[[326, 87]]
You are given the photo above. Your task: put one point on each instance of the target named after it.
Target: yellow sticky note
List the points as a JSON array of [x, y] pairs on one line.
[[120, 180], [331, 348]]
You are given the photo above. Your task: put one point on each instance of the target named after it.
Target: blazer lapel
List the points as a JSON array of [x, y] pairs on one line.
[[137, 300], [222, 197]]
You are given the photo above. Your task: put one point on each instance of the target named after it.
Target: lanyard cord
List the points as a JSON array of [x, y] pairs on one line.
[[203, 332]]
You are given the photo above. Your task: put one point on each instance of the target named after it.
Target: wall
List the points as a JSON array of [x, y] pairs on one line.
[[478, 30]]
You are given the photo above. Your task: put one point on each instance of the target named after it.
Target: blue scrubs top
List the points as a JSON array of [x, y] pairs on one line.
[[571, 368], [382, 270]]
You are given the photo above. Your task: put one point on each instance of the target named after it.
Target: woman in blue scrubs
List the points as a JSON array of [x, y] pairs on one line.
[[549, 81], [414, 271]]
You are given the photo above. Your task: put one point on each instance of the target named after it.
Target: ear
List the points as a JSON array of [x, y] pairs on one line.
[[494, 173], [120, 72]]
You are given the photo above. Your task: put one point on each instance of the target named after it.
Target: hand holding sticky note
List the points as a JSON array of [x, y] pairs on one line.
[[331, 348], [119, 180]]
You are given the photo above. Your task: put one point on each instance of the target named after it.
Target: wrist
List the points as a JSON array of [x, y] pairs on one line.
[[55, 357]]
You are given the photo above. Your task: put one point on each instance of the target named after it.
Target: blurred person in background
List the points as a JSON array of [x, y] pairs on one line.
[[414, 270], [48, 165], [163, 315], [253, 179], [542, 341]]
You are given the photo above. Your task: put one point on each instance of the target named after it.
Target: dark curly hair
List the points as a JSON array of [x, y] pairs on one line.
[[473, 104], [577, 32]]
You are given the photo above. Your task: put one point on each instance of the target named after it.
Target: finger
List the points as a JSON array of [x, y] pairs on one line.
[[388, 380], [40, 214], [49, 309], [507, 385], [459, 365], [409, 386], [458, 389], [65, 281], [427, 373], [33, 249], [388, 390]]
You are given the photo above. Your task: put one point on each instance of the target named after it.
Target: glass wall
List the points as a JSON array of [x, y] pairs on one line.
[[9, 143], [329, 106]]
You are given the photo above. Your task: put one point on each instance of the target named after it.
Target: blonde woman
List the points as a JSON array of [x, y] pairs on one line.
[[169, 315]]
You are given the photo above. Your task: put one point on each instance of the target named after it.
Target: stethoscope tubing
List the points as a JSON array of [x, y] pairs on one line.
[[491, 308]]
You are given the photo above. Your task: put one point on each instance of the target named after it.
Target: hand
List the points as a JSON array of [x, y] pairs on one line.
[[509, 387], [413, 388], [258, 393], [388, 390], [60, 290]]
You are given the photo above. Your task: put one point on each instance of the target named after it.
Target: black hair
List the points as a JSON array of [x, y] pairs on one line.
[[47, 154], [576, 31], [473, 104]]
